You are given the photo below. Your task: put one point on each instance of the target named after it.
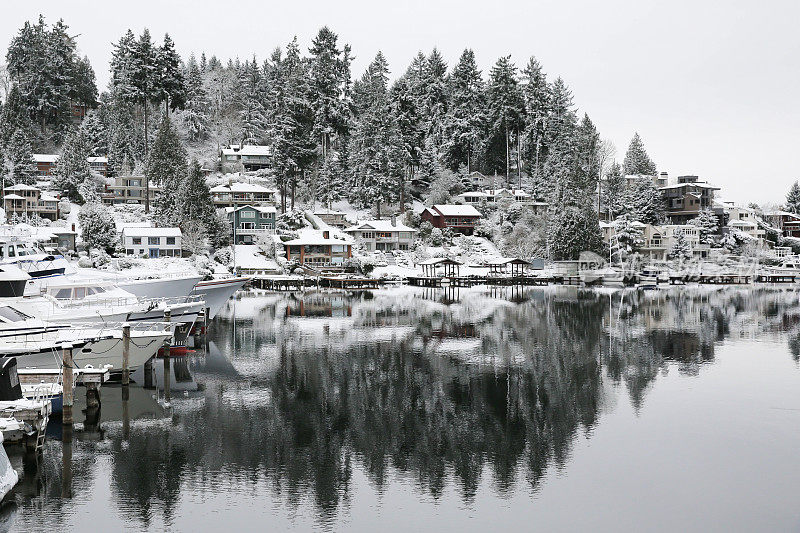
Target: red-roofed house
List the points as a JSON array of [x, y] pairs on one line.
[[458, 218]]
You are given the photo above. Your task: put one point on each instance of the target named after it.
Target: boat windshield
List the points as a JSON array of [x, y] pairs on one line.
[[9, 314]]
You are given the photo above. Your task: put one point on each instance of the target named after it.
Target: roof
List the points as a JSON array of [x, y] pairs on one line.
[[99, 159], [260, 208], [22, 187], [45, 158], [48, 198], [247, 149], [151, 232], [507, 260], [13, 197], [315, 241], [379, 225], [692, 184], [242, 187], [319, 213], [450, 210], [440, 261]]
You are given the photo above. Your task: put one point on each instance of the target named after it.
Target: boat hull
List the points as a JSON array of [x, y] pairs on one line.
[[216, 292]]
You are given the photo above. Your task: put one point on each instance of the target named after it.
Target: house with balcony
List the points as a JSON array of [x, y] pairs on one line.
[[690, 233], [129, 190], [744, 219], [99, 165], [788, 223], [684, 200], [383, 235], [152, 242], [45, 164], [249, 222], [249, 156], [654, 240], [318, 248], [337, 219], [235, 194], [24, 199], [458, 218]]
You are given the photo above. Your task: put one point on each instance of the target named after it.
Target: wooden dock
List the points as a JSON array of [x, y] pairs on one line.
[[711, 279]]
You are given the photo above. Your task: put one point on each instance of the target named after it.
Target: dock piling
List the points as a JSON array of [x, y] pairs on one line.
[[66, 365], [126, 354], [167, 361]]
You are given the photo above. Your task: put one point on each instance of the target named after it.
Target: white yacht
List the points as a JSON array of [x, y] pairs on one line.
[[31, 259], [216, 292]]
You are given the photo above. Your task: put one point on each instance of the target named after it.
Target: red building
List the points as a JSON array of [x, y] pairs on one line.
[[458, 218]]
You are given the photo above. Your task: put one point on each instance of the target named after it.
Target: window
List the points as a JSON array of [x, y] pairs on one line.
[[171, 240], [80, 293], [367, 235], [9, 314], [385, 234], [11, 252], [247, 225], [136, 240], [154, 241], [248, 214]]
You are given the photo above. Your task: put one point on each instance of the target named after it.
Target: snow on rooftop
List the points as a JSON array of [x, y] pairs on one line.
[[699, 184], [136, 231], [379, 225], [99, 159], [260, 208], [451, 210], [21, 187], [13, 197], [45, 158], [242, 187], [247, 149]]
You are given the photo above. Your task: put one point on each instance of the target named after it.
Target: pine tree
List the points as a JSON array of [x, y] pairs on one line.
[[170, 83], [707, 224], [329, 80], [587, 164], [636, 159], [252, 98], [506, 111], [194, 197], [793, 199], [19, 159], [13, 117], [573, 230], [72, 169], [98, 229], [95, 131], [614, 193], [465, 121], [646, 201], [376, 152], [681, 249], [408, 107], [627, 237], [196, 111], [537, 94], [166, 166]]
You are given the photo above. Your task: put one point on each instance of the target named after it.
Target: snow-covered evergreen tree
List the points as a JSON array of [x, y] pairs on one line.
[[14, 117], [72, 168], [20, 167], [166, 166], [466, 114], [681, 249], [376, 157], [505, 113], [636, 159], [95, 131], [627, 237], [707, 224], [98, 229], [170, 83], [646, 202], [195, 197], [537, 94], [330, 77], [252, 95], [613, 193], [573, 230], [793, 198], [196, 112]]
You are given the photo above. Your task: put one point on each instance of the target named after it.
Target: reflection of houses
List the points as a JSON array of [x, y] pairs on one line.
[[251, 157], [237, 193], [458, 218], [250, 221], [152, 242], [685, 199], [383, 235], [129, 190], [317, 248], [321, 305], [24, 199]]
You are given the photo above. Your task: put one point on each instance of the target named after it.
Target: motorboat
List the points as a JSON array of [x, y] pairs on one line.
[[215, 292], [31, 259]]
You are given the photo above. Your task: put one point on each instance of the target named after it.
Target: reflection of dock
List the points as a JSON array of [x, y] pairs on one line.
[[711, 279], [470, 281], [298, 283]]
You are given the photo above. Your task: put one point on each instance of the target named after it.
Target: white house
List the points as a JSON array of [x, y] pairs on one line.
[[152, 242], [250, 156], [234, 194], [383, 235]]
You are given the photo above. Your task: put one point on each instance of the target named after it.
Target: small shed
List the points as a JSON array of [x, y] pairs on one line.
[[450, 267]]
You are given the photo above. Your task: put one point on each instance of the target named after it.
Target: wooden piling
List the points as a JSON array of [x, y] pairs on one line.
[[66, 365], [167, 361], [126, 354]]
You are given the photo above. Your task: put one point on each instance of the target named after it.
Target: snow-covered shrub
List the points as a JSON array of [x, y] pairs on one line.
[[125, 263], [223, 256], [436, 237], [85, 262], [291, 220], [412, 219], [444, 187], [203, 265], [99, 257], [98, 229]]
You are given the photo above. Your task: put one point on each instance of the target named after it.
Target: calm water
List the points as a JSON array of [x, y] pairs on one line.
[[479, 410]]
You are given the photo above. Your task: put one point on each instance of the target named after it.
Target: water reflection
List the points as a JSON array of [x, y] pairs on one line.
[[448, 388]]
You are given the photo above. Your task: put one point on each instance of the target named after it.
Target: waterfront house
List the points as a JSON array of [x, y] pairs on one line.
[[129, 190], [317, 248], [249, 156], [24, 199], [458, 218], [248, 222], [788, 223], [685, 199], [337, 219], [152, 242], [654, 241], [235, 194], [383, 235]]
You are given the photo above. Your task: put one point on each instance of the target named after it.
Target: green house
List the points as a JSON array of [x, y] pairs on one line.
[[248, 222]]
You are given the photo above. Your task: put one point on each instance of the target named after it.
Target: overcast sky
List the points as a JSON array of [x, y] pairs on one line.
[[712, 87]]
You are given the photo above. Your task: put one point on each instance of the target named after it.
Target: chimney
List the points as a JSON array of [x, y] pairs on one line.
[[394, 219], [326, 234], [73, 227]]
